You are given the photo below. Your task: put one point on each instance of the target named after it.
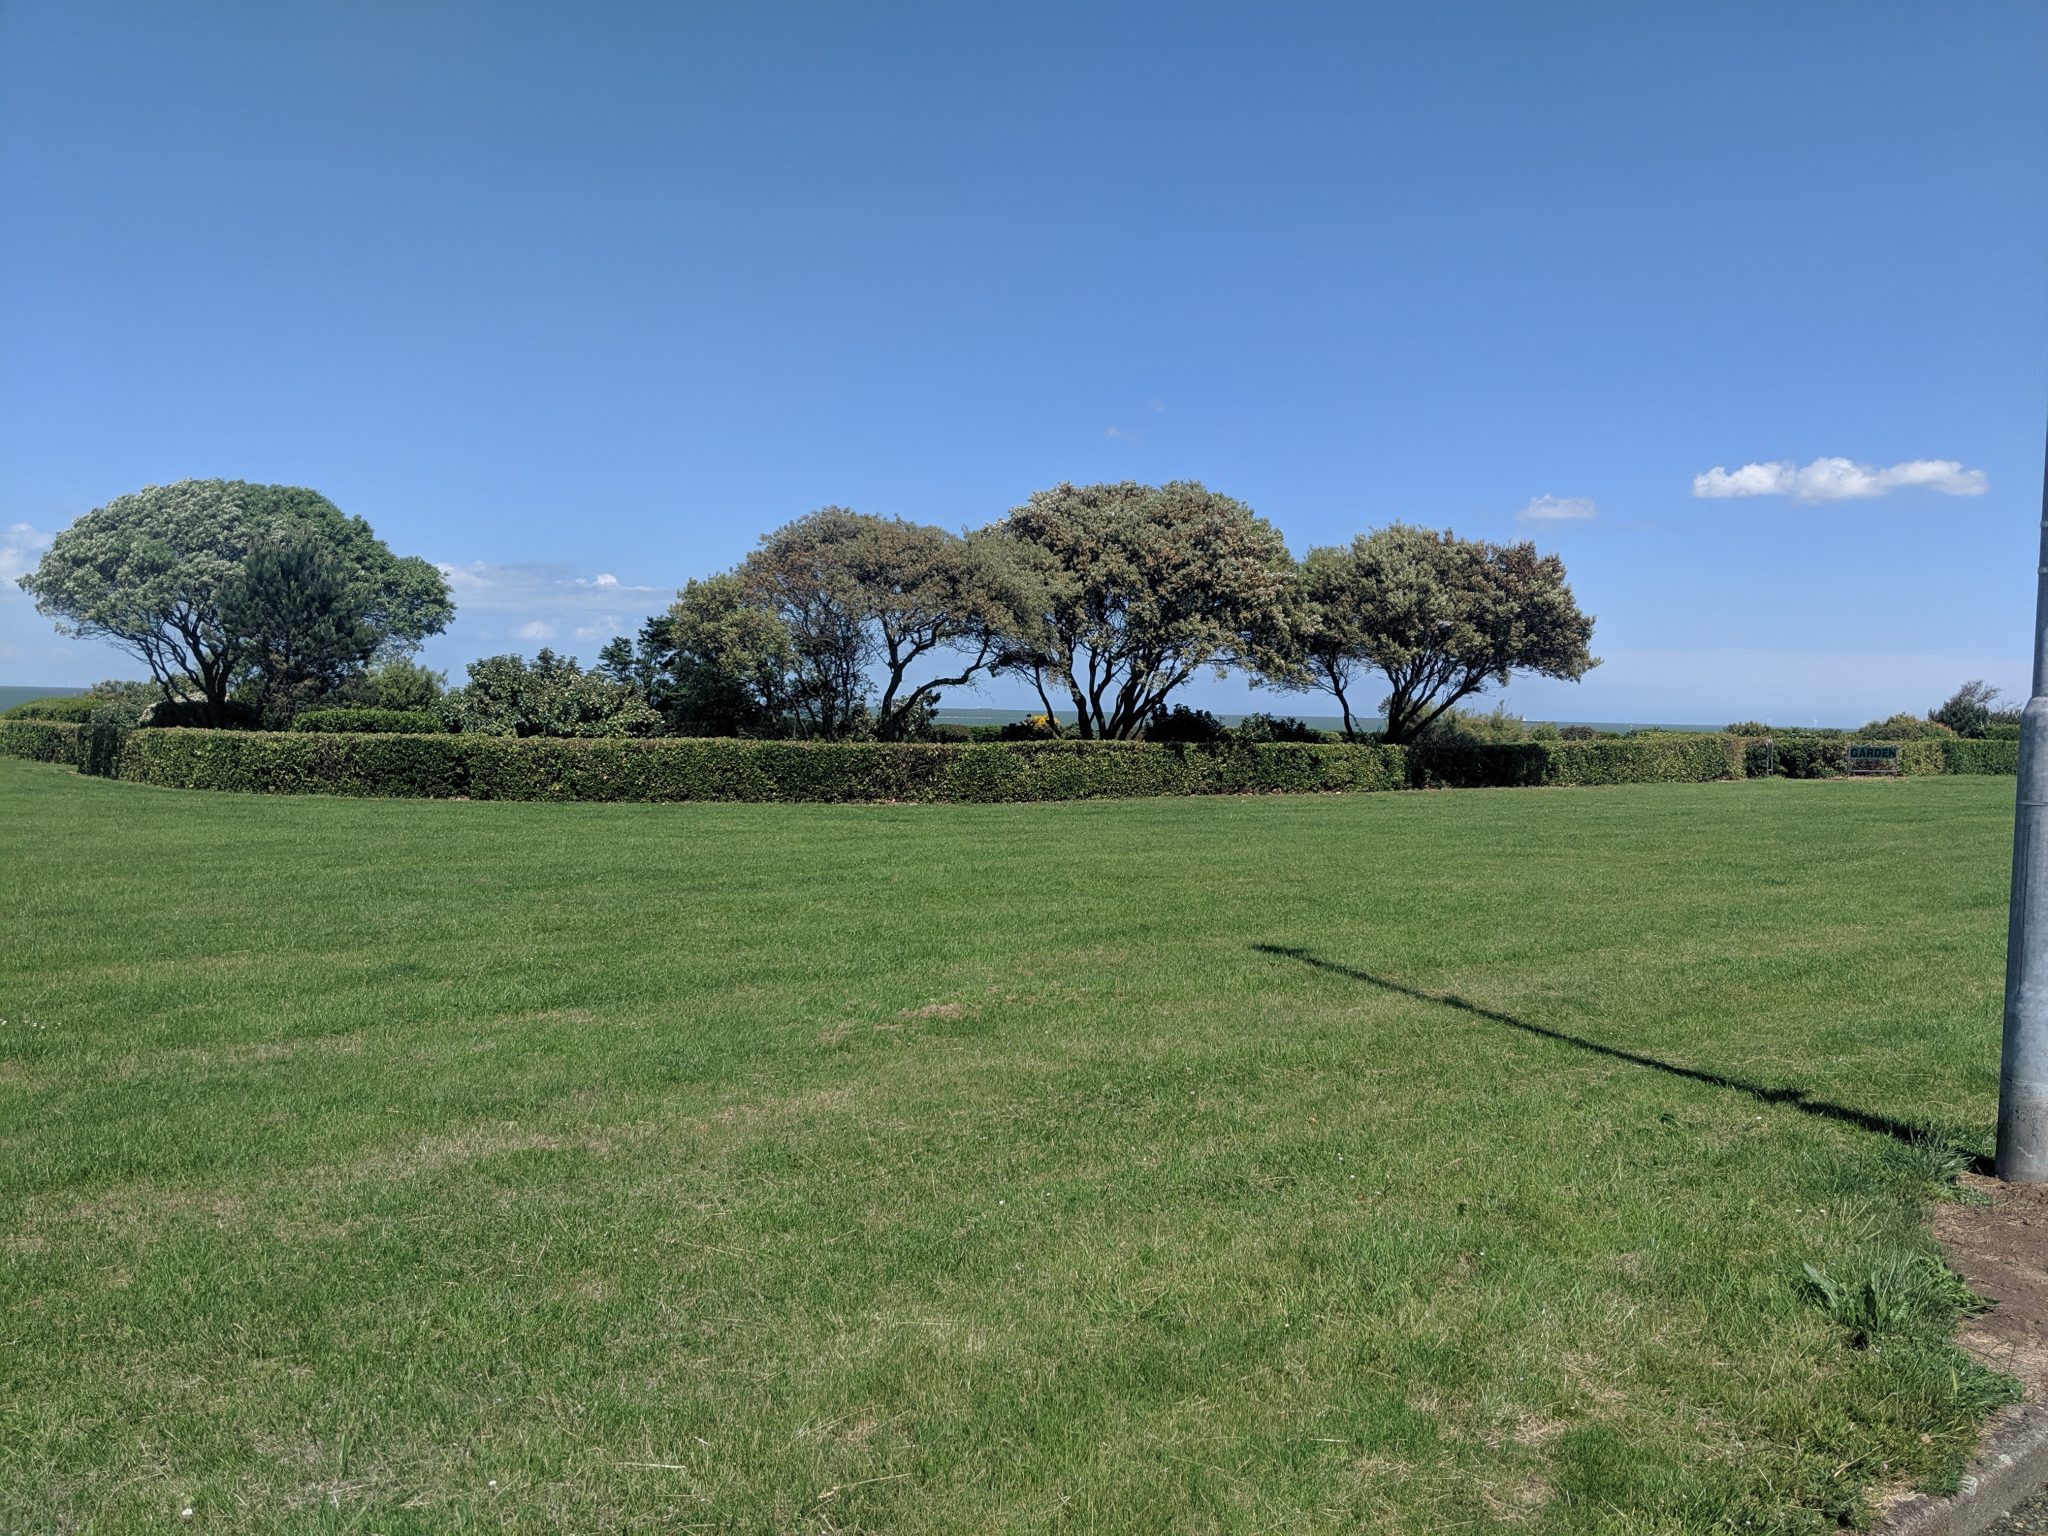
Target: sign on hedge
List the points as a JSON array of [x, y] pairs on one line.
[[1873, 757]]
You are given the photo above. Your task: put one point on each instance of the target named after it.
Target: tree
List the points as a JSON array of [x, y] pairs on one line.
[[148, 573], [1437, 616], [298, 620], [645, 662], [551, 696], [1128, 590], [1968, 710], [730, 664], [860, 594]]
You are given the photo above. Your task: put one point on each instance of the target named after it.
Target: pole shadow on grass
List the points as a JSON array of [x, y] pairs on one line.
[[1795, 1098]]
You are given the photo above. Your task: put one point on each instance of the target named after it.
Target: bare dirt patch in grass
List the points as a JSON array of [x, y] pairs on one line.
[[2001, 1249]]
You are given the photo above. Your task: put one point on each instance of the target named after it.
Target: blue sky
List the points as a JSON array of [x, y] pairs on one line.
[[579, 300]]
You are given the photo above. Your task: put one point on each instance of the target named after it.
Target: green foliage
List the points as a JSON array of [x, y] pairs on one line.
[[1749, 728], [1995, 755], [399, 683], [1903, 728], [1126, 591], [924, 609], [150, 573], [988, 767], [1438, 616], [1811, 756], [301, 620], [122, 703], [1636, 759], [1181, 723], [538, 768], [416, 722], [40, 741], [1472, 727], [730, 663], [73, 708], [1259, 727], [550, 696], [193, 713], [1967, 711]]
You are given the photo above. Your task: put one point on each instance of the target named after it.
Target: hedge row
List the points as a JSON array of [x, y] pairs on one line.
[[383, 722], [537, 768], [671, 769], [1650, 759], [76, 708]]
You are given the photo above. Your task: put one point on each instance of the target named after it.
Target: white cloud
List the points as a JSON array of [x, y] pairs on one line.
[[602, 628], [1838, 479], [537, 629], [21, 546], [483, 587], [1558, 509], [1120, 434]]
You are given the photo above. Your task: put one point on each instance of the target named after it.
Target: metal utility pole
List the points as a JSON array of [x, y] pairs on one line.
[[2023, 1070]]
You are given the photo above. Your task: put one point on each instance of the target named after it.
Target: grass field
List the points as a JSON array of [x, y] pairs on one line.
[[1422, 1162]]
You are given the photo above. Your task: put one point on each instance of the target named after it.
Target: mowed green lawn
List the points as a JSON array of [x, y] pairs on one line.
[[1111, 1167]]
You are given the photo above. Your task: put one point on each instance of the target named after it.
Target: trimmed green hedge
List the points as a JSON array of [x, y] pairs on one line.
[[545, 768], [1663, 758], [383, 722], [712, 768], [41, 741], [74, 709], [1962, 755]]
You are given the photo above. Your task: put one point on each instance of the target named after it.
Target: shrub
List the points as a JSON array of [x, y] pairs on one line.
[[1749, 728], [1263, 727], [1183, 724], [1474, 727], [1579, 733], [550, 696], [396, 684], [190, 714], [1904, 728], [1811, 757], [1030, 728], [416, 722], [71, 709], [122, 703]]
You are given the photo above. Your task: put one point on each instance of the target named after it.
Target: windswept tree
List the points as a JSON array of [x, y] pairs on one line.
[[1437, 616], [149, 573], [913, 608], [1132, 589], [1968, 711]]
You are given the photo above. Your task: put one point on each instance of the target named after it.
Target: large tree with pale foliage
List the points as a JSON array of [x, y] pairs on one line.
[[153, 572], [1132, 590], [913, 608], [1437, 616]]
